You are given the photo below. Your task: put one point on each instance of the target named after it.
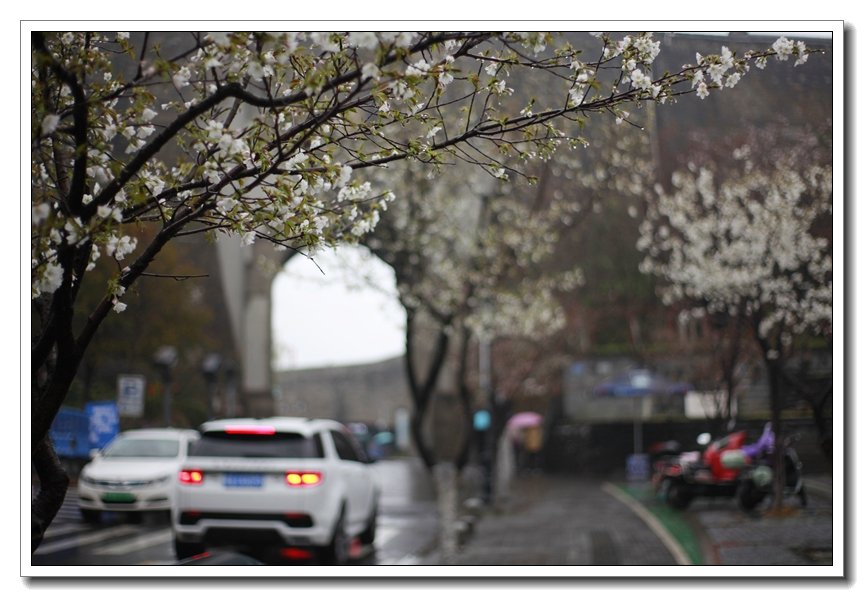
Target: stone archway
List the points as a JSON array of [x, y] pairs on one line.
[[248, 274]]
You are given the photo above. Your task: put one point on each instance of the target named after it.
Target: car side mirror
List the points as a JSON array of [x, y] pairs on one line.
[[94, 453]]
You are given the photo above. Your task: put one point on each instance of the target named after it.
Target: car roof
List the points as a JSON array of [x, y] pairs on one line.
[[283, 424], [159, 432]]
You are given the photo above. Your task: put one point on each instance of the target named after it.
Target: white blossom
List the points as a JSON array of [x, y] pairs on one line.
[[418, 69], [49, 124], [120, 247], [783, 47], [52, 278], [181, 77], [445, 79], [370, 71], [40, 213], [365, 40], [802, 53]]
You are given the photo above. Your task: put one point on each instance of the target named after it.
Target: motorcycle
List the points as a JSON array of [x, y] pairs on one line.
[[728, 467]]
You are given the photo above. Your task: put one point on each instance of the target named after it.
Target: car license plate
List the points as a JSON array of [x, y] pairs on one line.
[[118, 498], [243, 480]]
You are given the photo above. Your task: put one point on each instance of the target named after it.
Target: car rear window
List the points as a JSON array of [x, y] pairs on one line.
[[279, 445]]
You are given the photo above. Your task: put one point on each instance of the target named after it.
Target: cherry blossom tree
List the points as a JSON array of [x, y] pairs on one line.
[[467, 252], [266, 136], [752, 240]]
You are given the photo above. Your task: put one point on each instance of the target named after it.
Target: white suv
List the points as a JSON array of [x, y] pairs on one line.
[[274, 487]]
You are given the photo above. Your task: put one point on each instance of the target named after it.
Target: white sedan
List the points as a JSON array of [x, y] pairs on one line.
[[134, 473], [275, 487]]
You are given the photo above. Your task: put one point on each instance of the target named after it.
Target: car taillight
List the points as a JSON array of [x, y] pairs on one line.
[[191, 476], [302, 478], [250, 430]]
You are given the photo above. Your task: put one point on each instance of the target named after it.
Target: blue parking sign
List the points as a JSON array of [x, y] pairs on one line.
[[104, 422]]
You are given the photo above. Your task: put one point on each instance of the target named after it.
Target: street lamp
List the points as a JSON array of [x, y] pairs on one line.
[[230, 389], [164, 360], [210, 368]]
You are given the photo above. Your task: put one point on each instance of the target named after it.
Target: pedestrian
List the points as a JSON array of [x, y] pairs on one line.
[[532, 443]]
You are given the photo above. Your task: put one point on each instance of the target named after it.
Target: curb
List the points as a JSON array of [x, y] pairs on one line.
[[674, 547]]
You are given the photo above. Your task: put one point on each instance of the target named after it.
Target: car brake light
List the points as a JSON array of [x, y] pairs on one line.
[[191, 477], [296, 553], [302, 479], [250, 430]]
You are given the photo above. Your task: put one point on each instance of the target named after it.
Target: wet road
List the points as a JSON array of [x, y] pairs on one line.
[[406, 529]]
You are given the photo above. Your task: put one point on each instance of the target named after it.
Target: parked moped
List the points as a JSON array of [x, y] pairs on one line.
[[728, 467]]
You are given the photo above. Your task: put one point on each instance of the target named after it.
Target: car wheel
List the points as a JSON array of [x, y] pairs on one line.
[[337, 550], [91, 516], [367, 537], [187, 549], [678, 496]]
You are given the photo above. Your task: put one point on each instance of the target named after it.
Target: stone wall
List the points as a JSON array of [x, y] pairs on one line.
[[369, 393]]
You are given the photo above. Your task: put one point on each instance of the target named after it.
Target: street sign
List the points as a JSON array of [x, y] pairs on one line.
[[104, 422], [638, 467], [130, 395]]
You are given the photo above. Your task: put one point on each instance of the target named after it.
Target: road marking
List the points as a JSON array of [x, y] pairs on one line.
[[668, 540], [384, 535], [74, 542], [56, 530], [135, 544]]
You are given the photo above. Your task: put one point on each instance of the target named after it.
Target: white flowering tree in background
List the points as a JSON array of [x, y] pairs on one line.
[[468, 253], [751, 239], [266, 136]]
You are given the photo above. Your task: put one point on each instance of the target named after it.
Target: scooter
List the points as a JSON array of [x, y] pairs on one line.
[[728, 467]]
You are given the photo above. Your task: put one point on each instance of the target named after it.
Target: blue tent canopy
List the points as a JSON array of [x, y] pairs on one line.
[[641, 382]]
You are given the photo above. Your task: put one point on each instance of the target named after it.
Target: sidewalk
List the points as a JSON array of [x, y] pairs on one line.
[[561, 521], [571, 521]]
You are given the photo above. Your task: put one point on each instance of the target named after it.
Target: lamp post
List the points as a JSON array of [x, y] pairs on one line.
[[164, 360], [230, 389], [210, 369]]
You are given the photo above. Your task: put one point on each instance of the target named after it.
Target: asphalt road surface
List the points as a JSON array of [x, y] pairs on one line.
[[406, 530]]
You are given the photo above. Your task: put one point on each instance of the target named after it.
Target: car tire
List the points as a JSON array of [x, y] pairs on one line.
[[91, 516], [337, 551], [367, 537], [187, 549]]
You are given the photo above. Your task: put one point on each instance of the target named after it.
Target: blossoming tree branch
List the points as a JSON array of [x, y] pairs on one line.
[[266, 136]]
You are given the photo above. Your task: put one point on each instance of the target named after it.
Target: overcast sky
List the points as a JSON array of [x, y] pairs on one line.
[[334, 318]]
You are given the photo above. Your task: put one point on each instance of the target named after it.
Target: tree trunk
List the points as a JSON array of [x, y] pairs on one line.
[[776, 425], [447, 494], [465, 400], [772, 356], [817, 407], [53, 482], [422, 391]]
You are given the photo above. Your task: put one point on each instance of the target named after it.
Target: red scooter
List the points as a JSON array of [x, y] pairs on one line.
[[728, 467]]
